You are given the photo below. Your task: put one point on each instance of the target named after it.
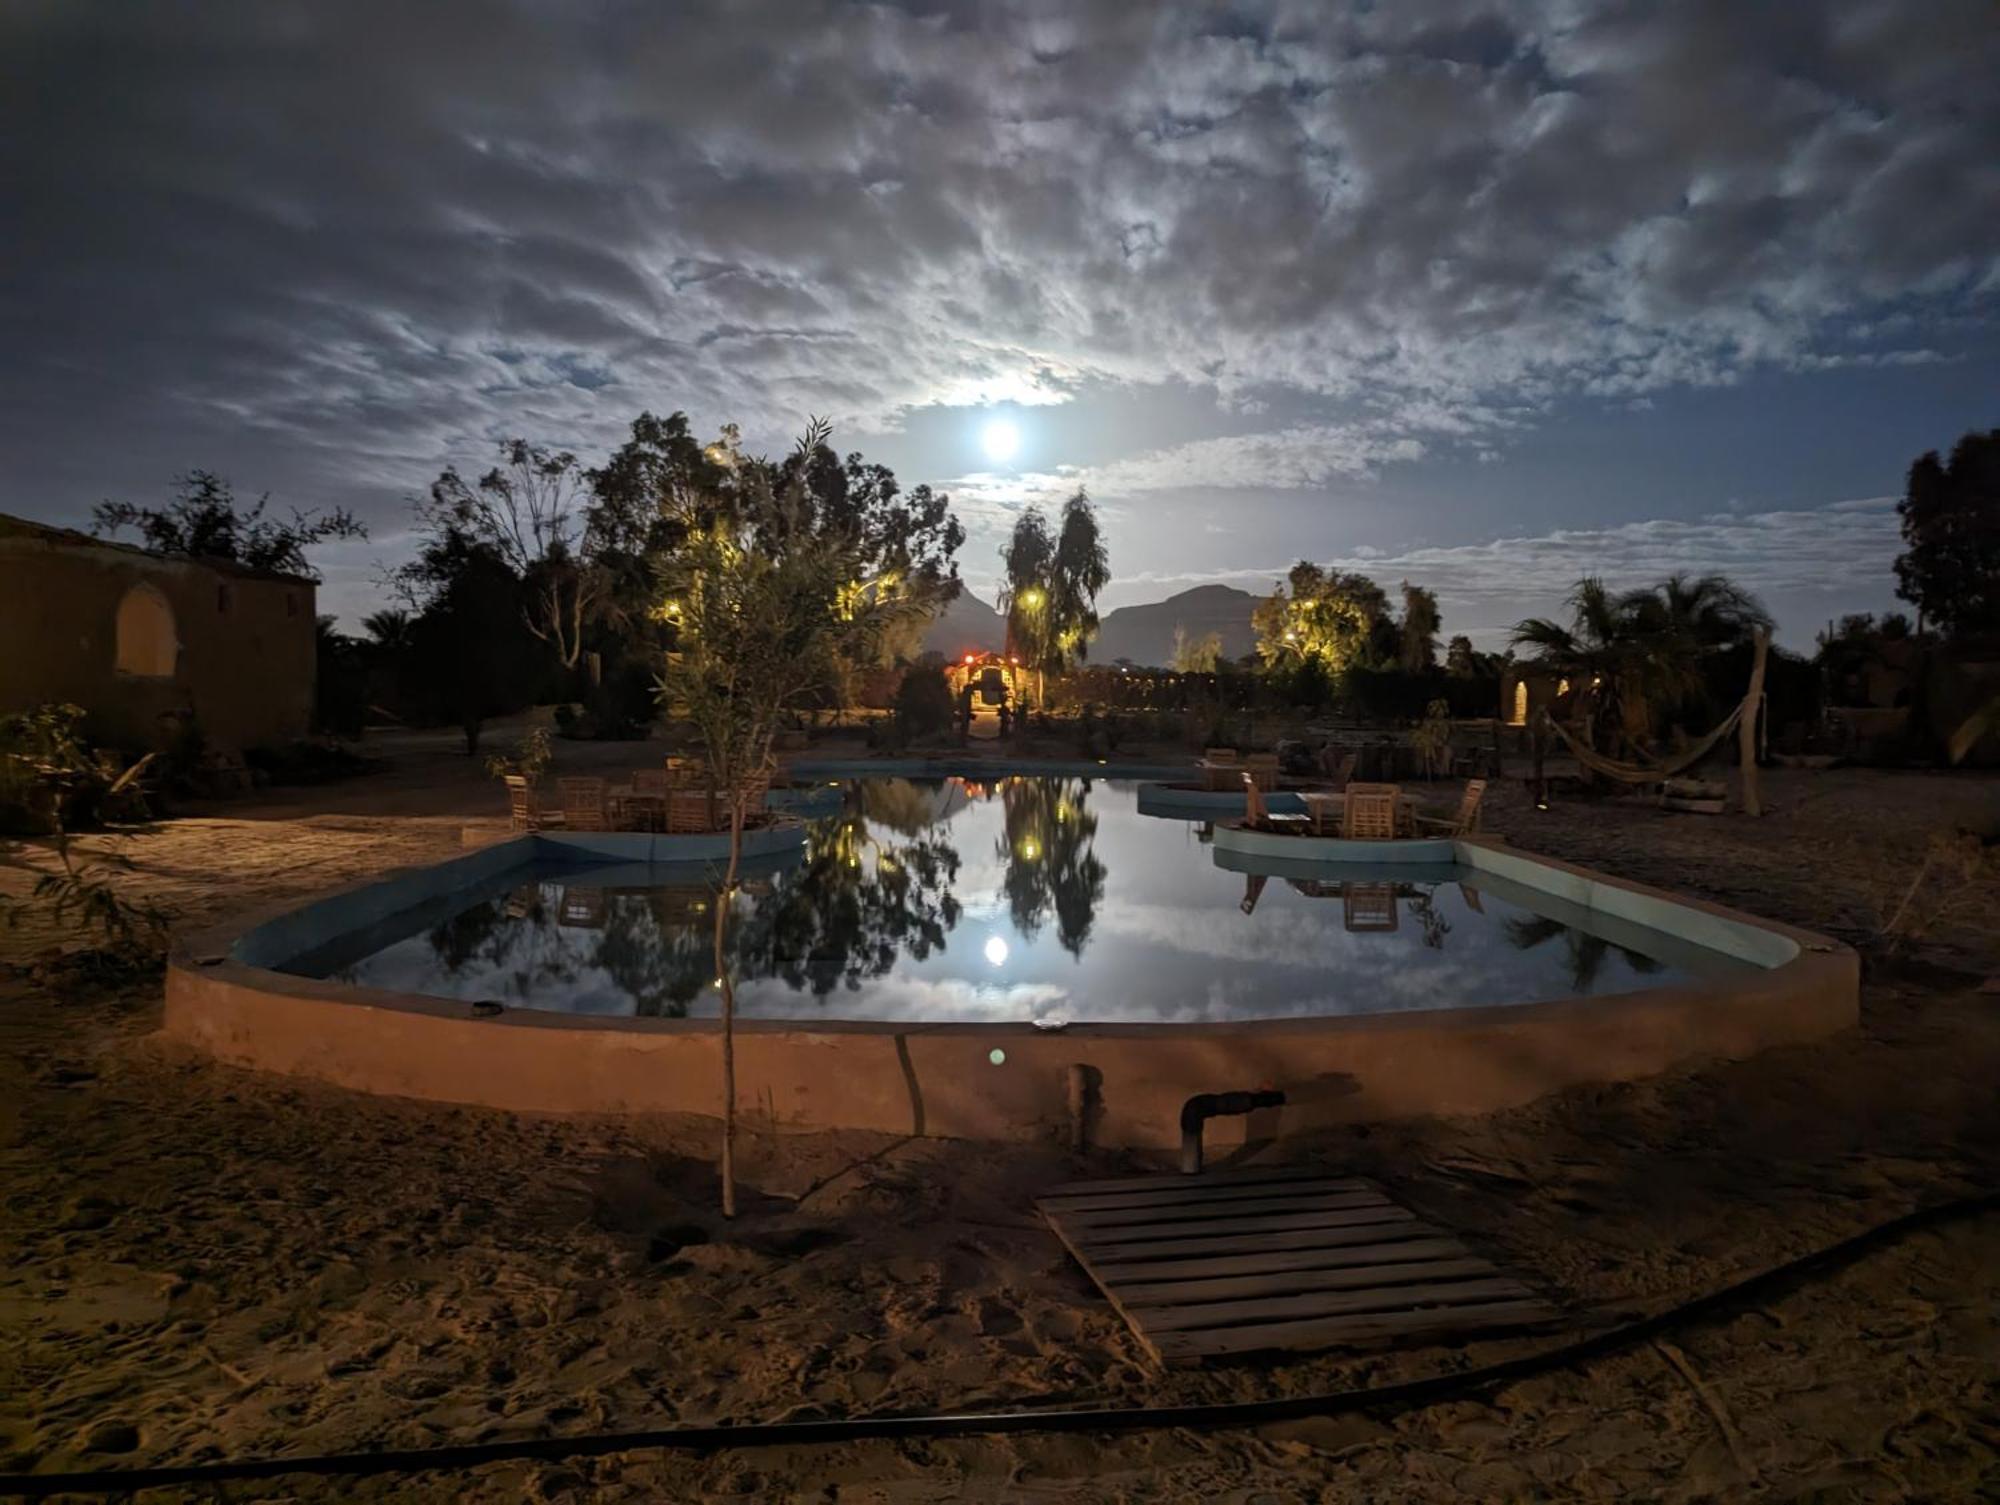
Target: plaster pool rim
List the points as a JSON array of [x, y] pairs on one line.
[[942, 1078]]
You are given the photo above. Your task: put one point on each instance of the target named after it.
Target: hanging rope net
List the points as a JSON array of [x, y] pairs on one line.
[[1637, 773]]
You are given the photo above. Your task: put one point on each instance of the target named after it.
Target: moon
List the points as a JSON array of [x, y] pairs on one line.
[[996, 950], [1000, 439]]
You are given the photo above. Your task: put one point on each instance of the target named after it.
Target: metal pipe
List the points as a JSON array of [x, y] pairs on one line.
[[1203, 1106]]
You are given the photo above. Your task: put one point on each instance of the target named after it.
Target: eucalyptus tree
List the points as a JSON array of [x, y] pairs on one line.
[[1950, 566], [529, 510], [1027, 562], [1418, 635], [1050, 584]]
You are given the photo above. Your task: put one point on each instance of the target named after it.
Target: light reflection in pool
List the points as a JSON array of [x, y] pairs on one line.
[[1041, 899]]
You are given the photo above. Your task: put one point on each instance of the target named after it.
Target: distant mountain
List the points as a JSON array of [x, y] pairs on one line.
[[968, 625], [1145, 634]]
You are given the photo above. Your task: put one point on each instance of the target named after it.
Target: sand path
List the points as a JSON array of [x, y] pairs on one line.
[[205, 1261]]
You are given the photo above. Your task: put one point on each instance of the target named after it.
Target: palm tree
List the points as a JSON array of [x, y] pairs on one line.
[[390, 629], [1639, 655], [1584, 954], [1588, 654]]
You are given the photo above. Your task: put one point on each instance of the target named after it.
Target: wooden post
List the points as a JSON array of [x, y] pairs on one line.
[[1746, 725], [1538, 743]]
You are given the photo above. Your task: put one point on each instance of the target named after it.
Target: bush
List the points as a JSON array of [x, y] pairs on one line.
[[530, 759], [54, 782], [51, 779], [620, 708], [923, 704]]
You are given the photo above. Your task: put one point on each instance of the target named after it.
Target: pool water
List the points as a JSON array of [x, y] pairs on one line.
[[1050, 900]]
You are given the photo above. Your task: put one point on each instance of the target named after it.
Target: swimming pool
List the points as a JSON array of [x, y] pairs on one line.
[[1005, 953], [1042, 899]]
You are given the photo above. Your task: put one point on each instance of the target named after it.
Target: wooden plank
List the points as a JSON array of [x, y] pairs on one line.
[[1316, 1304], [1299, 1282], [1236, 1228], [1349, 1332], [1347, 1188], [1224, 1240], [1339, 1256], [1278, 1258], [1199, 1212], [1202, 1178]]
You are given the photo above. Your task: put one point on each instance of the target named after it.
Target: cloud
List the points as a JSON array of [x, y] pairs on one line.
[[329, 247], [1790, 557]]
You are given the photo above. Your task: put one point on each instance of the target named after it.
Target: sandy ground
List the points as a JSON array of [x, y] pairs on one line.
[[202, 1262]]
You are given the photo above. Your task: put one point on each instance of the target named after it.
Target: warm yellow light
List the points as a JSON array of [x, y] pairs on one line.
[[1031, 598], [1030, 850]]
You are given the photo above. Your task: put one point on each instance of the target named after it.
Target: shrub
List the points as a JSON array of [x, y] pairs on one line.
[[923, 704], [620, 708], [51, 779], [56, 781], [530, 759]]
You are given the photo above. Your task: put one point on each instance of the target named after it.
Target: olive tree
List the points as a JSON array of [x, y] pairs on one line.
[[763, 609]]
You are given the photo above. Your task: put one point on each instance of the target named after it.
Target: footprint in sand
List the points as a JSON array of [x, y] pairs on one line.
[[998, 1318]]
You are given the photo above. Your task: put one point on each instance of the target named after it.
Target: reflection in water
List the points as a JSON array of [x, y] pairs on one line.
[[1370, 908], [1029, 898], [861, 900], [1050, 847], [1586, 953]]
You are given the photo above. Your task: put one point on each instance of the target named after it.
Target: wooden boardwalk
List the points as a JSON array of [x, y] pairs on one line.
[[1237, 1262]]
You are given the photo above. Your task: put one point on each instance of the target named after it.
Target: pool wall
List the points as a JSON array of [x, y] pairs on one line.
[[1006, 1081]]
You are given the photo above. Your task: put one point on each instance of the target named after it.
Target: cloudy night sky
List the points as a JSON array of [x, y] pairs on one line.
[[1480, 296]]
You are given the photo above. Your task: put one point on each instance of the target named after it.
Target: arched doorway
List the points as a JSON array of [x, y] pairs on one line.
[[147, 642]]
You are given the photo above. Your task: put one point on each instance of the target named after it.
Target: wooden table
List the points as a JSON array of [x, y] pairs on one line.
[[1318, 804], [1221, 776], [628, 802]]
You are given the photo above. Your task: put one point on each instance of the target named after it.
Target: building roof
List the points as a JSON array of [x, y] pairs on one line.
[[50, 536]]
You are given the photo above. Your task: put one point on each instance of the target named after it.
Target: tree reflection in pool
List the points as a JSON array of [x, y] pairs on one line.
[[1024, 898]]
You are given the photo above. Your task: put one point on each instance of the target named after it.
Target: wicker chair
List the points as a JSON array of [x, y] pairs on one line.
[[1463, 821], [1338, 766], [524, 806], [1370, 812], [583, 804], [1263, 768], [1369, 908], [646, 810], [1257, 815], [687, 812]]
